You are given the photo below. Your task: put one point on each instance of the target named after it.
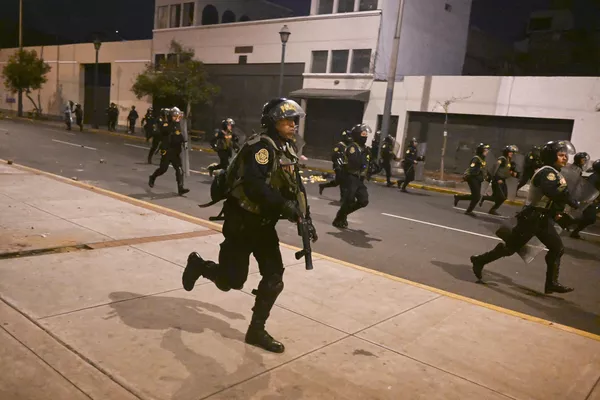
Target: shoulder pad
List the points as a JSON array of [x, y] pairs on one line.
[[336, 149], [165, 124]]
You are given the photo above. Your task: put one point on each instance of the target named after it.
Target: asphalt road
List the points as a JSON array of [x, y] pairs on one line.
[[417, 236]]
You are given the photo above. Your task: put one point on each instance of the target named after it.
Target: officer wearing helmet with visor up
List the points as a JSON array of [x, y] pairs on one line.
[[224, 143], [266, 186], [358, 158], [504, 169], [545, 204]]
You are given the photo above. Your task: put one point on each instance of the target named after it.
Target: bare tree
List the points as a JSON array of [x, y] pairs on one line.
[[446, 107]]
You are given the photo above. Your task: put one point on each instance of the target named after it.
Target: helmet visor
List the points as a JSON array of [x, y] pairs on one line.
[[287, 109]]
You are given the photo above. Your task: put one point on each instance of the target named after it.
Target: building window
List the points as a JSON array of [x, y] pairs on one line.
[[393, 124], [228, 17], [159, 60], [243, 60], [540, 24], [244, 18], [325, 6], [210, 15], [162, 21], [367, 5], [345, 6], [319, 62], [361, 61], [339, 61], [175, 16], [172, 59], [188, 14]]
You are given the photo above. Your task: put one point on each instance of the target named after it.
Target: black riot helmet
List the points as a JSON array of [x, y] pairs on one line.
[[581, 159], [388, 139], [279, 109], [346, 136], [551, 149], [596, 166], [360, 133], [227, 121], [414, 142], [511, 148], [481, 148]]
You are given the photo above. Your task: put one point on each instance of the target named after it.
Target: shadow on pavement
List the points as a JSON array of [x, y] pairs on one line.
[[554, 308], [358, 238]]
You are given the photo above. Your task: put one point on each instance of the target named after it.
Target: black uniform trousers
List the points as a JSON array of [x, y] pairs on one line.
[[387, 167], [355, 197], [530, 223], [409, 174], [337, 181], [475, 187], [588, 218], [175, 161], [224, 156], [132, 125], [499, 194], [155, 143], [245, 234]]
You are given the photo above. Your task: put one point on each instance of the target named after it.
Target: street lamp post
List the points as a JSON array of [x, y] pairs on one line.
[[284, 34], [97, 45]]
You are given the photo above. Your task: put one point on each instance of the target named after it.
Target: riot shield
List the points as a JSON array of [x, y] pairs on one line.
[[580, 189], [420, 167], [240, 135]]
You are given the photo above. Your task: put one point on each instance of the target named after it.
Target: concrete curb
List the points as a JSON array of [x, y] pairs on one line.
[[319, 169]]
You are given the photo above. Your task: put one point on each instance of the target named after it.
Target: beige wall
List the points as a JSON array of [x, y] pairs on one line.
[[66, 80], [541, 97]]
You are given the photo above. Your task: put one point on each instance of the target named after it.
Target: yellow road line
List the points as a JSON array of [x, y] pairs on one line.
[[217, 227]]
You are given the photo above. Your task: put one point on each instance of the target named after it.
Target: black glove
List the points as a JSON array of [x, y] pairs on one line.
[[290, 211]]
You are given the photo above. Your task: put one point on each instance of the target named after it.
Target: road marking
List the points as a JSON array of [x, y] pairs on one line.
[[591, 234], [136, 146], [74, 144], [218, 227], [483, 213], [63, 132]]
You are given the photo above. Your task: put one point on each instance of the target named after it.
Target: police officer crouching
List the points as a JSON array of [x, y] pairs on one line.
[[546, 201], [474, 176], [270, 186], [171, 146], [505, 168], [338, 158], [224, 142], [358, 158]]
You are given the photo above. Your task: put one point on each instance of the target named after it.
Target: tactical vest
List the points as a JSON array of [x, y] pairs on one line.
[[281, 177], [468, 171], [366, 158], [536, 197], [503, 171], [224, 141]]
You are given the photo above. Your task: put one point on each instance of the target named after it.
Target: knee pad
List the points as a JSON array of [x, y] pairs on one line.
[[271, 285]]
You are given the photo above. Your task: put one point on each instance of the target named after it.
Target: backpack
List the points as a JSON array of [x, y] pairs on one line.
[[225, 181]]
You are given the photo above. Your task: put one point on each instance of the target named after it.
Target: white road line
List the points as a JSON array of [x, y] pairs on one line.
[[74, 144], [442, 226], [450, 228], [139, 147], [483, 213], [57, 131], [591, 234]]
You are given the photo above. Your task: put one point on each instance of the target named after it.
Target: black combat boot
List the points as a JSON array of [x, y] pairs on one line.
[[456, 200], [259, 337], [480, 261], [552, 284], [151, 181], [193, 270], [340, 222], [181, 190], [266, 294], [321, 188]]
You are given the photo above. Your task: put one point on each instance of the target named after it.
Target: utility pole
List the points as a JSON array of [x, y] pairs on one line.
[[391, 80], [20, 95]]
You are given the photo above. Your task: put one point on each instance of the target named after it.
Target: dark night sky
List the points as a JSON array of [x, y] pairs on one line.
[[77, 20]]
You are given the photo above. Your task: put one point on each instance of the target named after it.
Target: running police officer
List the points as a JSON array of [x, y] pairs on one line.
[[338, 158], [270, 186], [532, 163], [504, 169], [474, 176], [580, 161], [224, 142], [387, 155], [545, 204], [171, 145], [408, 164], [358, 158]]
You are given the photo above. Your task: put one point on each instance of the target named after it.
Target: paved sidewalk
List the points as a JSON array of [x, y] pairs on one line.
[[313, 164], [92, 307]]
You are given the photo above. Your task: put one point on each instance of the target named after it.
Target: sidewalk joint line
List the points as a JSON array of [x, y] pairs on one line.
[[115, 379], [596, 385], [46, 362]]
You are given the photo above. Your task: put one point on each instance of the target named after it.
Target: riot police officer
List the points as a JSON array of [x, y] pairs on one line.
[[532, 163], [504, 169], [150, 124], [545, 204], [408, 165], [270, 186], [590, 213], [356, 195], [224, 143], [580, 161], [338, 158], [387, 156], [171, 145], [474, 176]]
